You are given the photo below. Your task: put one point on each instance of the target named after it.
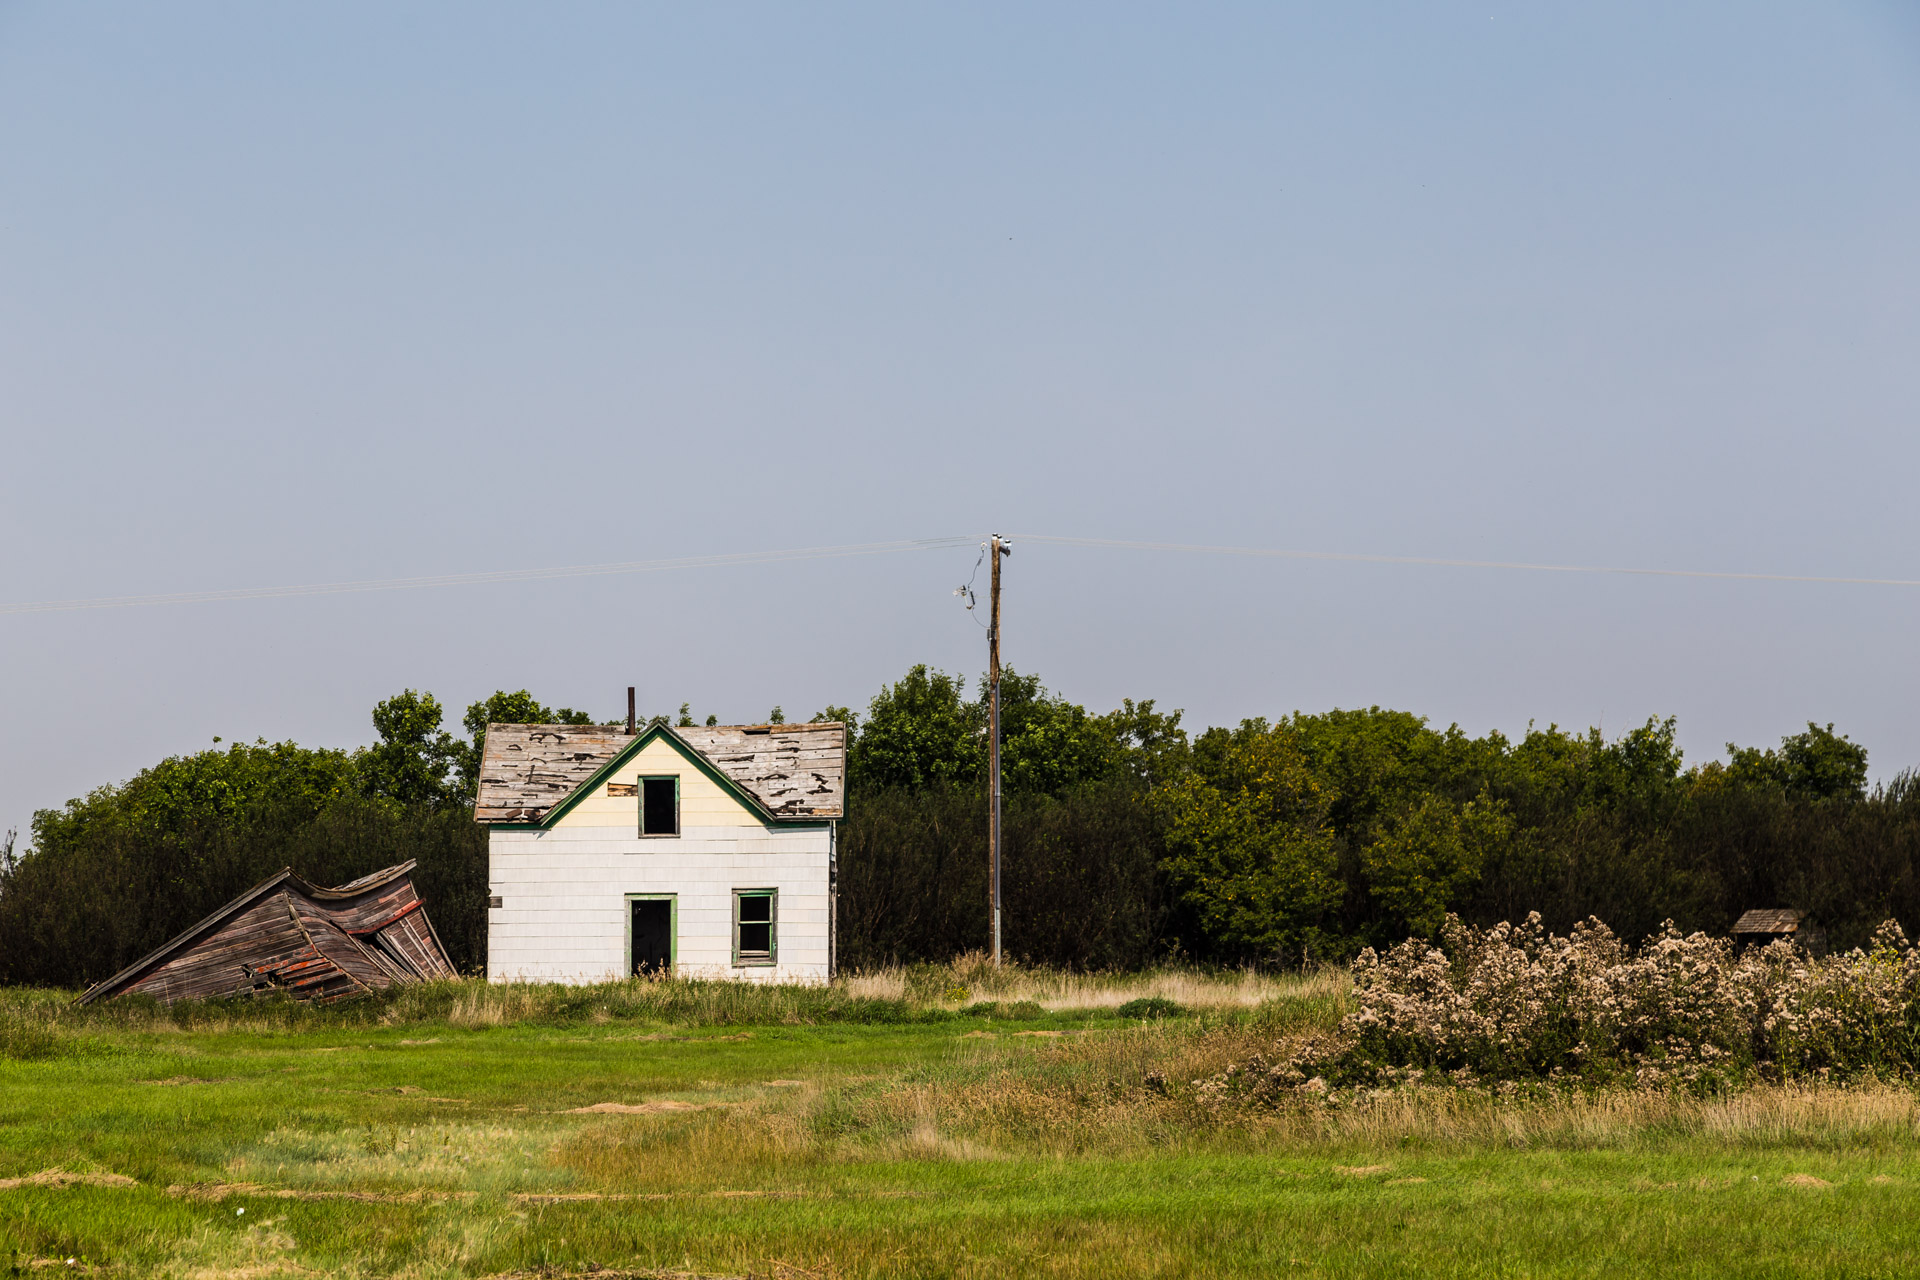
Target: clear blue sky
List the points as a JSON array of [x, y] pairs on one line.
[[306, 293]]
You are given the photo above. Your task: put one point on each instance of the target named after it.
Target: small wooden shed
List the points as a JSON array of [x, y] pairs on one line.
[[1769, 924], [288, 934]]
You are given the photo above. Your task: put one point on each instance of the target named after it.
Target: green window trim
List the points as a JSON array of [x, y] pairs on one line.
[[640, 786], [673, 926], [753, 957]]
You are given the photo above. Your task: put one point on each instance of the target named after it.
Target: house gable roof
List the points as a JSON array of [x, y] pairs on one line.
[[530, 774]]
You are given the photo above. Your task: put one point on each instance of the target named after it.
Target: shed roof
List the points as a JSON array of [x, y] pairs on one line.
[[791, 772], [286, 931], [1770, 920]]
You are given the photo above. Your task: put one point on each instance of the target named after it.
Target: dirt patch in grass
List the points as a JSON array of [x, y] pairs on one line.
[[179, 1080], [210, 1191], [410, 1091], [607, 1273], [590, 1197], [207, 1192], [640, 1108], [62, 1178]]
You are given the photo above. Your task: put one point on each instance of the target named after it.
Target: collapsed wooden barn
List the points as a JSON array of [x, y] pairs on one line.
[[286, 934]]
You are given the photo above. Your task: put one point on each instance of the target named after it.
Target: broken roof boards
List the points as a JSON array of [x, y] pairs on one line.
[[783, 771], [691, 850], [287, 933], [1766, 923], [1770, 920]]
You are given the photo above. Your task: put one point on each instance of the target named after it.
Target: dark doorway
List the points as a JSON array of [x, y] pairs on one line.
[[652, 936]]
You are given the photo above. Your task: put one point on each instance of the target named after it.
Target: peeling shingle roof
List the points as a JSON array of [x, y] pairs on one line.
[[1770, 920], [794, 771], [797, 770]]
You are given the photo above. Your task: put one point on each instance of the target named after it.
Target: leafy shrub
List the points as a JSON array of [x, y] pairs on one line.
[[1150, 1007], [1017, 1010]]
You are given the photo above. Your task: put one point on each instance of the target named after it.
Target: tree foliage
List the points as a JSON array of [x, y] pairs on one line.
[[518, 707], [1818, 764], [1429, 856], [414, 757], [1249, 850], [923, 730], [1125, 839], [919, 733], [113, 874]]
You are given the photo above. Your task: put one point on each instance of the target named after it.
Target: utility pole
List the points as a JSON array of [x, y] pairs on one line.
[[999, 548]]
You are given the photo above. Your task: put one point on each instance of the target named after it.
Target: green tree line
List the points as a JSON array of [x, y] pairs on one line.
[[1128, 840]]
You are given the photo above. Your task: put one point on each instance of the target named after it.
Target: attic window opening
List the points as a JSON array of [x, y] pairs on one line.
[[660, 806]]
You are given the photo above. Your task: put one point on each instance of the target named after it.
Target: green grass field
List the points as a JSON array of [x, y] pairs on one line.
[[879, 1130]]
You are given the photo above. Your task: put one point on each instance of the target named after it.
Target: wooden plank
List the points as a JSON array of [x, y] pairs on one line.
[[302, 944]]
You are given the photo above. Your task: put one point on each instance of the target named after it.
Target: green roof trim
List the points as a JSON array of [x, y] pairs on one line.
[[658, 729]]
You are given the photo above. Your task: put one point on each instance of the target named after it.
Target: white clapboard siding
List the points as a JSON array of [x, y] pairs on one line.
[[564, 897]]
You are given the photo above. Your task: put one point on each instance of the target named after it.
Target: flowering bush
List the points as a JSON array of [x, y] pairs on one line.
[[1515, 1005]]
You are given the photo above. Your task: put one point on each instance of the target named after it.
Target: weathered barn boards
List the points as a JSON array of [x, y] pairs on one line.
[[698, 851], [1761, 926], [287, 934]]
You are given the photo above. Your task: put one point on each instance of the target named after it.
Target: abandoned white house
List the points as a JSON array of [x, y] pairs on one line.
[[704, 852]]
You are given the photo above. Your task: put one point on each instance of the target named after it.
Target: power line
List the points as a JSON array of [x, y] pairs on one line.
[[965, 589], [492, 576], [884, 548], [1434, 561]]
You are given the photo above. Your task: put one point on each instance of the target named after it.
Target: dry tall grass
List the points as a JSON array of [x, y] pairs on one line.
[[973, 976], [28, 1016], [1127, 1092], [1853, 1116], [1127, 1089]]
